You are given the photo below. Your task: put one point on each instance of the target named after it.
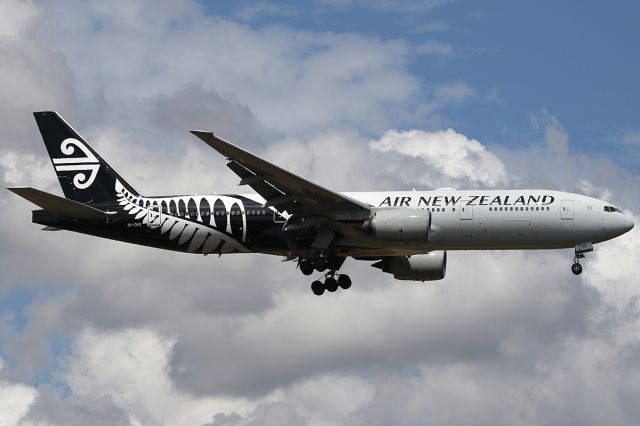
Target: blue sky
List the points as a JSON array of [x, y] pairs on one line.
[[579, 60]]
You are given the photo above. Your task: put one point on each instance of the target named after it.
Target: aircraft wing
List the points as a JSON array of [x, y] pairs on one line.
[[281, 189]]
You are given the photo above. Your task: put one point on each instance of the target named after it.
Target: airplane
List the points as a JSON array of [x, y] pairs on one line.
[[404, 233]]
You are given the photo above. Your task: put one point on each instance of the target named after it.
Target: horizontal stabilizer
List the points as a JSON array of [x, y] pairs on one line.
[[59, 205]]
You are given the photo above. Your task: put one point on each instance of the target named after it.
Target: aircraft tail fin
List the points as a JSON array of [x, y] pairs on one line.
[[58, 205], [84, 176]]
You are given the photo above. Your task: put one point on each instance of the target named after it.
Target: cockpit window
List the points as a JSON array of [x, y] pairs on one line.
[[612, 209]]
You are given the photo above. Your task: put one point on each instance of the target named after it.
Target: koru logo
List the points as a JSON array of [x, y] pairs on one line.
[[88, 163]]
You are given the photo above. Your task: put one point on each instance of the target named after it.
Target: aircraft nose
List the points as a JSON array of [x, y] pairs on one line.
[[628, 223]]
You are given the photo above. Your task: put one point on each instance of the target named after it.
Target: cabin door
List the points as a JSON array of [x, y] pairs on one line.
[[466, 212], [567, 210]]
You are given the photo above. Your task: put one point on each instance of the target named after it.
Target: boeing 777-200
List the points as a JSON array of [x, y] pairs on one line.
[[404, 233]]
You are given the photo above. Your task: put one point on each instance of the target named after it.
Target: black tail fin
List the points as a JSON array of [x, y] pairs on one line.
[[84, 176]]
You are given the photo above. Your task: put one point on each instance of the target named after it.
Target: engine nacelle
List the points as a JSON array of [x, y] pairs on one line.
[[410, 225], [419, 267]]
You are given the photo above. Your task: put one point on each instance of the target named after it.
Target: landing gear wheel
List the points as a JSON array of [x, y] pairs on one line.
[[576, 268], [306, 267], [330, 284], [317, 288], [344, 281]]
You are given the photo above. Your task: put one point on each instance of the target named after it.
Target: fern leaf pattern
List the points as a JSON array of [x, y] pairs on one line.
[[199, 231]]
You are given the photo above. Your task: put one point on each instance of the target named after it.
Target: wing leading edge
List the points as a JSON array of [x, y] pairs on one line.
[[284, 190]]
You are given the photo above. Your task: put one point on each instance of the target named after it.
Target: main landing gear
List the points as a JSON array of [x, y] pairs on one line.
[[580, 251], [331, 284], [332, 280]]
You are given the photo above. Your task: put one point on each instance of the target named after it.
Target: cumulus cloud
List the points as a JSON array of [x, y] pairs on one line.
[[295, 81], [123, 375], [16, 16], [458, 158], [15, 400], [94, 409]]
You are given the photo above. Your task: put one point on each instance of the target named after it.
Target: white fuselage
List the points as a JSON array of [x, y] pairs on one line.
[[507, 219]]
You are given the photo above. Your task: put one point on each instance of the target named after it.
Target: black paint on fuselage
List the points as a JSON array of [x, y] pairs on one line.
[[262, 234]]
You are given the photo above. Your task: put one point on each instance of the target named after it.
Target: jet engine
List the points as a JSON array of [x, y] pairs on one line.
[[419, 267], [410, 225]]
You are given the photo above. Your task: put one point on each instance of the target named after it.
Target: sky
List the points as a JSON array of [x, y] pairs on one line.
[[357, 96]]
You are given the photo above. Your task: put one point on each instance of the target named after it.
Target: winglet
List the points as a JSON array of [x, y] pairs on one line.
[[59, 205]]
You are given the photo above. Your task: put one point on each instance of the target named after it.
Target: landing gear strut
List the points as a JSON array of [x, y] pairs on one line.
[[580, 251]]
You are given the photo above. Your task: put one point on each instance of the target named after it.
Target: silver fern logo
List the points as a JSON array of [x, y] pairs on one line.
[[197, 232], [89, 163]]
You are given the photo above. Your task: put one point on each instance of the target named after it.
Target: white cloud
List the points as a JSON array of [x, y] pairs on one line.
[[16, 17], [130, 367], [456, 157], [614, 270], [15, 400], [292, 80]]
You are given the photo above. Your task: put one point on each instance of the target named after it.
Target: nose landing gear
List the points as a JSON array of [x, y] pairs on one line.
[[576, 268], [580, 251]]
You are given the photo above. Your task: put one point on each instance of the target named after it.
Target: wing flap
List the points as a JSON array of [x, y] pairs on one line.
[[59, 205], [256, 182]]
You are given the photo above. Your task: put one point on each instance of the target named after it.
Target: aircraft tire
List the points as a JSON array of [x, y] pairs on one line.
[[330, 284], [576, 268], [317, 288], [306, 267], [344, 281]]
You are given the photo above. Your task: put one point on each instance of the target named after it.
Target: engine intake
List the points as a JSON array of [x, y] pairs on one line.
[[410, 225], [419, 267]]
